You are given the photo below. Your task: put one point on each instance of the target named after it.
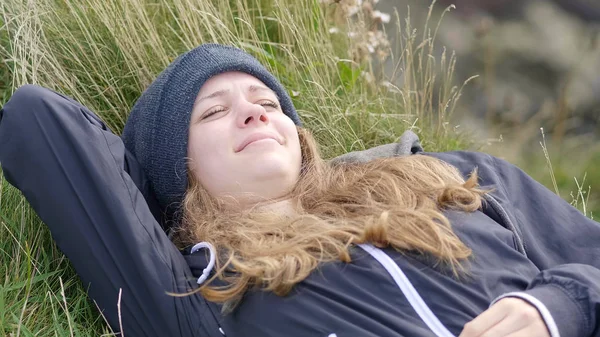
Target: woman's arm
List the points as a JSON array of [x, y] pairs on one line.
[[557, 238], [71, 169]]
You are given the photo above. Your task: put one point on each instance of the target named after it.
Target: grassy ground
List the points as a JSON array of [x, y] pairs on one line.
[[104, 53], [569, 168]]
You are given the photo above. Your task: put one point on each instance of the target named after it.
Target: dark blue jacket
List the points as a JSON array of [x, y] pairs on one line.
[[527, 242], [91, 192]]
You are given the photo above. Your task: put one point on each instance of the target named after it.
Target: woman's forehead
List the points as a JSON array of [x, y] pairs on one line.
[[228, 79]]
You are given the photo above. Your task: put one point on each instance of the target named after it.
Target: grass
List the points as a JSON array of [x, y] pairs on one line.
[[104, 53], [569, 169]]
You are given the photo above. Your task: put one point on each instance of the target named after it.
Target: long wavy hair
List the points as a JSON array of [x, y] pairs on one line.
[[392, 202]]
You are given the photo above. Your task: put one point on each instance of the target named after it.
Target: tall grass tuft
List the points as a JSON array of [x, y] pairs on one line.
[[351, 91]]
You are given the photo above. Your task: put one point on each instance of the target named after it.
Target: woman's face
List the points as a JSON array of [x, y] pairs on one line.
[[241, 144]]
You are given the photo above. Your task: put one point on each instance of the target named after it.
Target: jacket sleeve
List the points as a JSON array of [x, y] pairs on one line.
[[72, 170], [562, 242]]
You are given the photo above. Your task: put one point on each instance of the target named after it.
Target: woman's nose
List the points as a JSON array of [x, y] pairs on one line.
[[252, 114]]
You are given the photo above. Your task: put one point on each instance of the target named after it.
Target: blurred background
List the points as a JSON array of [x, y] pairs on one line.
[[485, 75], [536, 100]]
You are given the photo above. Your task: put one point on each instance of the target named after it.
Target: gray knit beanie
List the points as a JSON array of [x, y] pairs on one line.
[[157, 129]]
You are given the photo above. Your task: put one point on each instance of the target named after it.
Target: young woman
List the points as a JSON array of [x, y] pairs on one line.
[[274, 240]]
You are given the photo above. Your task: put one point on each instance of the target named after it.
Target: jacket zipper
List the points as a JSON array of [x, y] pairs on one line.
[[408, 290]]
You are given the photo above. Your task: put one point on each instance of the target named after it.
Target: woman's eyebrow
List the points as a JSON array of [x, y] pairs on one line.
[[256, 88], [217, 93], [252, 88]]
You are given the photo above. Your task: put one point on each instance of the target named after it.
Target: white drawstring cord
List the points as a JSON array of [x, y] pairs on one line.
[[211, 263]]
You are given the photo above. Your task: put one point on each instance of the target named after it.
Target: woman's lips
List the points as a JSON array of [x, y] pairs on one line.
[[256, 137]]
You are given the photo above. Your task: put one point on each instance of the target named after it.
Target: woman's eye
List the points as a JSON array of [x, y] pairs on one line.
[[212, 113], [270, 104]]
